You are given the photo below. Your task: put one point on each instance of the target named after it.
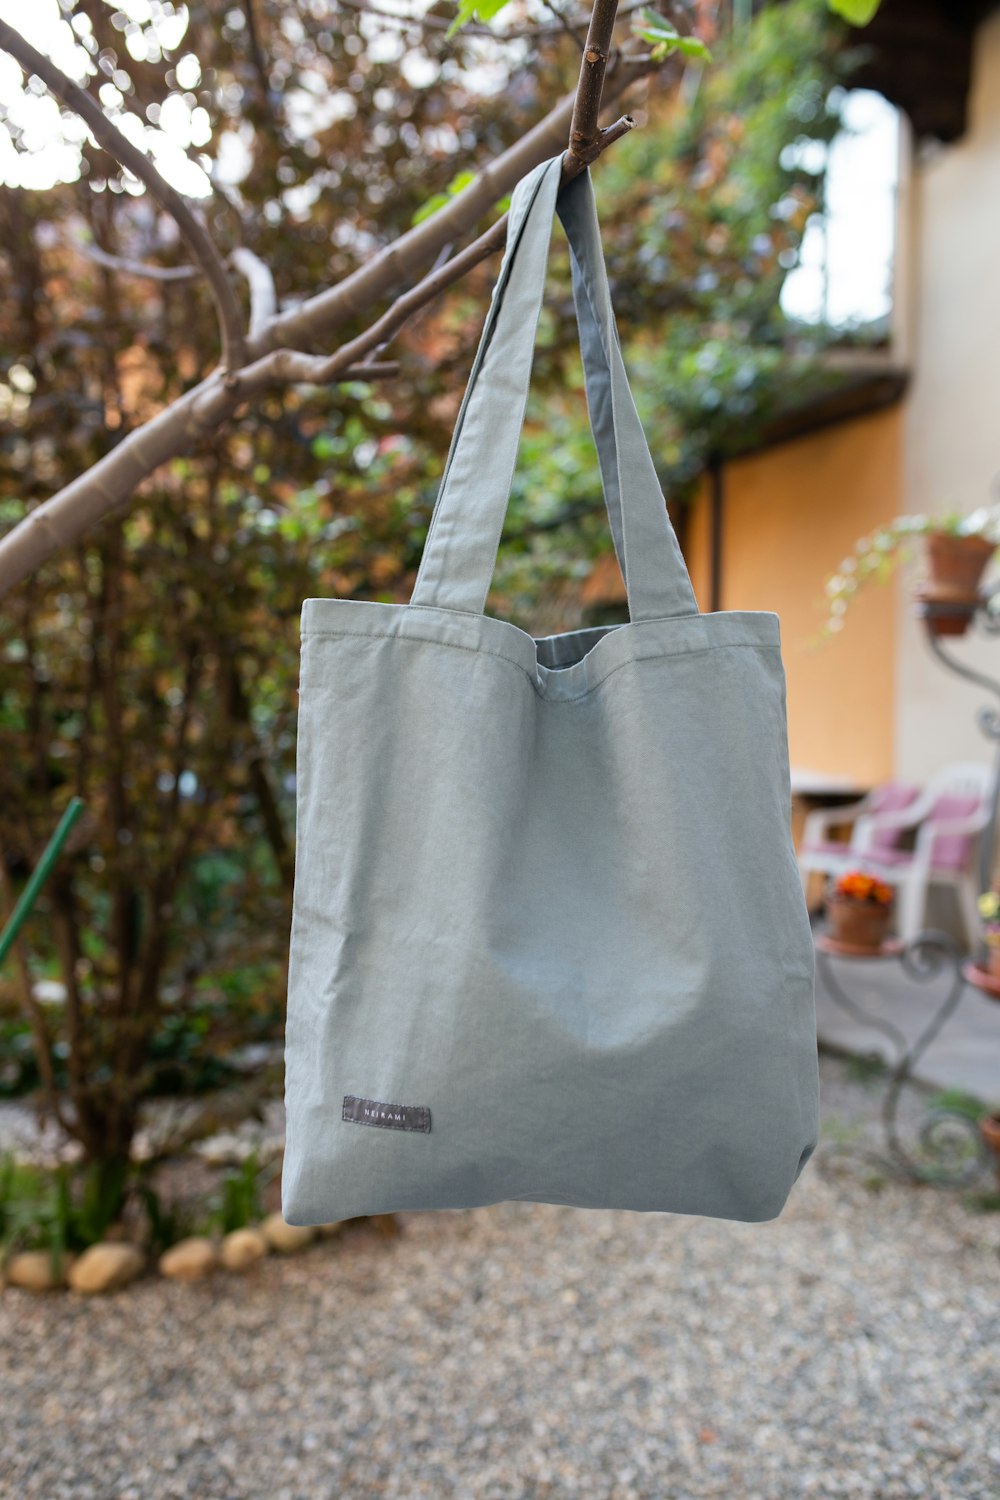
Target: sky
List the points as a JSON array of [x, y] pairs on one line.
[[844, 275]]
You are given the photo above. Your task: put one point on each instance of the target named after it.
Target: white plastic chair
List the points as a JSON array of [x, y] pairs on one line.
[[949, 815], [819, 853]]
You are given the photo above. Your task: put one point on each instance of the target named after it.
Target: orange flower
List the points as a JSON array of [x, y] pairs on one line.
[[856, 885]]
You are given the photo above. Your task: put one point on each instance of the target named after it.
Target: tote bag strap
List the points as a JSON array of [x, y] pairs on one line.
[[464, 536]]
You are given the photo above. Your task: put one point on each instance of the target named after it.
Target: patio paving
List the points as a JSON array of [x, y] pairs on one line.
[[966, 1053]]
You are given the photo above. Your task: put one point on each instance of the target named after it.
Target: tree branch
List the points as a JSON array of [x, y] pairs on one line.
[[137, 267], [584, 137], [176, 430], [319, 316], [288, 366], [430, 22], [263, 297], [107, 134]]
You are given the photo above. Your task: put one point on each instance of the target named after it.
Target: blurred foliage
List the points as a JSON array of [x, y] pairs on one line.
[[60, 1209], [703, 212], [63, 1209], [857, 12], [152, 668], [663, 32], [238, 1199]]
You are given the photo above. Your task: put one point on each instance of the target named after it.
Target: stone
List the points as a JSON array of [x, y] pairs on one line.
[[242, 1248], [105, 1267], [32, 1271], [286, 1238], [190, 1259]]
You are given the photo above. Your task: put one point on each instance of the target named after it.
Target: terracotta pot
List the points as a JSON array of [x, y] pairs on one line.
[[993, 959], [955, 567], [989, 1129], [945, 617], [859, 924], [956, 564]]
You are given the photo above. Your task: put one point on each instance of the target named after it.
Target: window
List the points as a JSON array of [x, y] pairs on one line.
[[847, 273]]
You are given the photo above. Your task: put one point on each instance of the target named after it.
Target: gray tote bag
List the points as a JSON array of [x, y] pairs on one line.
[[549, 940]]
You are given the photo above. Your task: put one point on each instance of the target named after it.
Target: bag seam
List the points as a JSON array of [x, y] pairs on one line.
[[421, 640]]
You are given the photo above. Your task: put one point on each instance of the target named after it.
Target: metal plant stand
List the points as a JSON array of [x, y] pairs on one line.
[[951, 1151], [985, 615], [949, 1148]]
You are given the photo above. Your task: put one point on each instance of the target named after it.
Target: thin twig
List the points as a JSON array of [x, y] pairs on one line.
[[107, 134], [179, 428], [137, 267], [564, 24], [431, 22], [326, 311], [256, 55], [289, 366]]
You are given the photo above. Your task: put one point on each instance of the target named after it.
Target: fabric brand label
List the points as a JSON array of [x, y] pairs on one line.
[[386, 1116]]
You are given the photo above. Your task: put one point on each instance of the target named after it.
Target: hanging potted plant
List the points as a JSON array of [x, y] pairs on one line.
[[859, 907], [956, 550]]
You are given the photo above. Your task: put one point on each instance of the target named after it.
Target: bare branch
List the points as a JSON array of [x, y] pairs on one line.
[[263, 297], [107, 134], [584, 137], [60, 520], [564, 24], [256, 55], [430, 22], [375, 369], [137, 267], [318, 317], [288, 366], [177, 430]]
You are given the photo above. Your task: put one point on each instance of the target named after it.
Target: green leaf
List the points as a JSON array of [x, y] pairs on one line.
[[692, 46], [458, 182], [482, 10], [664, 38], [430, 207], [857, 12]]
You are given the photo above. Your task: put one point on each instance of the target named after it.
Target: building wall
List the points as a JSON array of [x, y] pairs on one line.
[[951, 434], [790, 514]]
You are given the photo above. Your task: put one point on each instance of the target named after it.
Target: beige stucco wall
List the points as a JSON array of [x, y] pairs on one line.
[[951, 434]]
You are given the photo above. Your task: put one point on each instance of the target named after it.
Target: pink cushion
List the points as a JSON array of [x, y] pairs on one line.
[[893, 797], [951, 850]]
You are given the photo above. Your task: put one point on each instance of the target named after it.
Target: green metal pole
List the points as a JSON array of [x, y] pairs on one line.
[[39, 876]]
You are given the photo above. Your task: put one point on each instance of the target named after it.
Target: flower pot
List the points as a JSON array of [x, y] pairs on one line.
[[955, 566], [858, 924], [956, 563], [989, 1129], [945, 617]]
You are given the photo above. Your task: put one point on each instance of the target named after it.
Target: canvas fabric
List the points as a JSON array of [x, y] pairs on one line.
[[549, 940]]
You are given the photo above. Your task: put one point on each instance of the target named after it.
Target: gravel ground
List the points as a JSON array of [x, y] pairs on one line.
[[848, 1348]]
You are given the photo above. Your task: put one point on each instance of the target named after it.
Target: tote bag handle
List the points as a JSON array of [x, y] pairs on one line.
[[464, 536]]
